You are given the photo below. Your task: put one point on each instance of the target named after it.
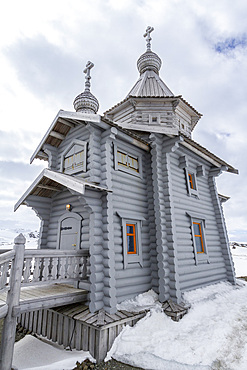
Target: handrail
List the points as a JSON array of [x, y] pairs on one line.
[[20, 267], [5, 267], [55, 252], [7, 256]]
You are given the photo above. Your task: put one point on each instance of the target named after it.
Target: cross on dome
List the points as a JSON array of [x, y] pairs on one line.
[[148, 37], [89, 66], [86, 102]]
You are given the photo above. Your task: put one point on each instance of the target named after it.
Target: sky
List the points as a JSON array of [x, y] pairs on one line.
[[45, 45]]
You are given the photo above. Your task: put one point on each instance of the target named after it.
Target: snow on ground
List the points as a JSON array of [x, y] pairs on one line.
[[7, 237], [239, 254], [36, 354], [211, 336]]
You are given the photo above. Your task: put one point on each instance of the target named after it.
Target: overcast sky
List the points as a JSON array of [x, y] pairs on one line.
[[45, 45]]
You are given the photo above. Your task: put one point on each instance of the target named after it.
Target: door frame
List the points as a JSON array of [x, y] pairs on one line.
[[61, 219]]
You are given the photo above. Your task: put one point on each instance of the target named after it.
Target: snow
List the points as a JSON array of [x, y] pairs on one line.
[[7, 237], [239, 254], [40, 354], [211, 336]]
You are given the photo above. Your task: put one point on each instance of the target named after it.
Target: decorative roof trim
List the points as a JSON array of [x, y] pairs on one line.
[[167, 98], [206, 154], [61, 117], [71, 182]]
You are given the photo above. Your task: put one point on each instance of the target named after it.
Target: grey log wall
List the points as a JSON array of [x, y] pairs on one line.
[[160, 196]]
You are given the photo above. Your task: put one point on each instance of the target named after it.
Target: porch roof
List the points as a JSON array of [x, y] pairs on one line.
[[50, 182]]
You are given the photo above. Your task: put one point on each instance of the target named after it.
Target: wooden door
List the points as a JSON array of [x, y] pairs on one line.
[[69, 237]]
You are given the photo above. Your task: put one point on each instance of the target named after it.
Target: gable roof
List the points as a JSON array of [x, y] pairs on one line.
[[50, 182], [62, 124]]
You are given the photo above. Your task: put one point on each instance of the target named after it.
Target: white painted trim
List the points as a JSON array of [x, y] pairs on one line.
[[71, 182], [150, 128], [74, 142], [65, 115]]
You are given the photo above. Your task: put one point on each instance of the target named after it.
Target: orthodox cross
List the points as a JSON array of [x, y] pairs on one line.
[[89, 65], [147, 35]]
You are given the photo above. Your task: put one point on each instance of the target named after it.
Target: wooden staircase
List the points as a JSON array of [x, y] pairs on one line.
[[37, 279]]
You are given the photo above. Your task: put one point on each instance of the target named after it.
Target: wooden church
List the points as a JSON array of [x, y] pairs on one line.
[[135, 192]]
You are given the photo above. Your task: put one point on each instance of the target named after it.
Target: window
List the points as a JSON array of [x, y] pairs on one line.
[[154, 119], [191, 182], [197, 230], [198, 225], [131, 232], [131, 238], [74, 158], [127, 162], [190, 175]]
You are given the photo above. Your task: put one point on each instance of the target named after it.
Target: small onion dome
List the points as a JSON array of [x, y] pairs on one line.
[[86, 102], [149, 61]]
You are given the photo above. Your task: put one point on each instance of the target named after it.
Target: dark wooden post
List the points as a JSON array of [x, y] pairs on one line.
[[13, 298]]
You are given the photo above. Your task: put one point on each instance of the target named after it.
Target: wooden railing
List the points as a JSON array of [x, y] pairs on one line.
[[20, 267], [5, 268], [44, 266]]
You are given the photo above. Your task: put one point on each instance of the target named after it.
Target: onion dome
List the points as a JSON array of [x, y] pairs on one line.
[[86, 102], [149, 60]]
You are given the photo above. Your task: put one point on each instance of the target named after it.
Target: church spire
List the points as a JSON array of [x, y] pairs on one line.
[[86, 102], [149, 60]]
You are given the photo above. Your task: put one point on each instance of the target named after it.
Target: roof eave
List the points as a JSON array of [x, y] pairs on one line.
[[68, 117], [68, 181]]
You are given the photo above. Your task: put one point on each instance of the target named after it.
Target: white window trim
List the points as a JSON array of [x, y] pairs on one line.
[[191, 191], [131, 218], [154, 115], [199, 257], [125, 169], [75, 142]]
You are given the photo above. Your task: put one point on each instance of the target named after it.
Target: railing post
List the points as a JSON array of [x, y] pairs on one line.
[[13, 298]]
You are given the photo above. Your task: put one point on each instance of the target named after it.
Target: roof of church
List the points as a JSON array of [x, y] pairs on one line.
[[50, 182], [150, 85]]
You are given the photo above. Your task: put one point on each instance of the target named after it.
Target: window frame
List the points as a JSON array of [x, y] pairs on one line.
[[200, 256], [121, 167], [129, 218], [190, 176], [151, 117], [82, 168]]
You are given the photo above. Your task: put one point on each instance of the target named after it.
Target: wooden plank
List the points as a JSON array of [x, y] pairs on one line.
[[49, 324], [35, 320], [100, 346], [40, 313], [54, 326], [92, 341], [72, 325], [66, 331], [60, 328], [44, 322], [82, 315], [85, 338], [78, 336], [112, 333]]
